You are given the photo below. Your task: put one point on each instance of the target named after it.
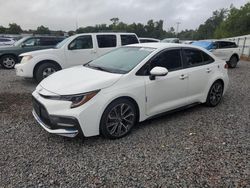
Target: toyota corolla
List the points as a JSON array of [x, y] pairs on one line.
[[109, 95]]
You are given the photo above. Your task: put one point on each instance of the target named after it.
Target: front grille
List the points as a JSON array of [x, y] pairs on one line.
[[41, 112]]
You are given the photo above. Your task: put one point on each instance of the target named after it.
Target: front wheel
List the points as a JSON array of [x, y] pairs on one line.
[[215, 94], [118, 119], [45, 70], [8, 61]]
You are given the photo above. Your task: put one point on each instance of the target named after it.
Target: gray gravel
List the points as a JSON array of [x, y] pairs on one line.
[[198, 147]]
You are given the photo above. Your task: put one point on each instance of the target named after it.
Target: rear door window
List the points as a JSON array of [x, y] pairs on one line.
[[193, 57], [106, 41], [128, 39]]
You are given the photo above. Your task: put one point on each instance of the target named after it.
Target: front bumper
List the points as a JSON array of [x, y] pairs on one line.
[[64, 126], [24, 69]]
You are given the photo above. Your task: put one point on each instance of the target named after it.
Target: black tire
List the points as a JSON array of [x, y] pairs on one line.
[[118, 119], [215, 94], [8, 61], [232, 63], [50, 68]]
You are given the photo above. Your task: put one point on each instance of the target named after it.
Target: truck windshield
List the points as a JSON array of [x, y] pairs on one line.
[[121, 60], [60, 44]]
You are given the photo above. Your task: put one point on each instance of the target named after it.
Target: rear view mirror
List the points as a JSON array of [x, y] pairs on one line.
[[158, 71]]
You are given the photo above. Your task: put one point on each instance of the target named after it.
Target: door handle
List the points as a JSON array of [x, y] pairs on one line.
[[208, 70], [93, 51], [182, 77]]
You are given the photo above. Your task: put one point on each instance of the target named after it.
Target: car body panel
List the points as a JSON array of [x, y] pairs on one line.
[[151, 96]]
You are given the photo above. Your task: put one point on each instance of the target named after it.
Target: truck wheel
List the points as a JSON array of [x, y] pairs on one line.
[[45, 70], [8, 61], [233, 62]]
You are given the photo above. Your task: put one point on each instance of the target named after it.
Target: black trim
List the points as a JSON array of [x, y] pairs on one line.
[[52, 120], [172, 111]]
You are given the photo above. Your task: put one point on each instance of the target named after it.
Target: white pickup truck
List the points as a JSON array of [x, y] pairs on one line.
[[76, 50], [225, 50]]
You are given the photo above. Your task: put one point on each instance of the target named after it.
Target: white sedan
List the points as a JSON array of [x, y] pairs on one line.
[[109, 95]]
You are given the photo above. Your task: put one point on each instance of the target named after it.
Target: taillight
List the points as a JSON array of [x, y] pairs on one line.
[[226, 66]]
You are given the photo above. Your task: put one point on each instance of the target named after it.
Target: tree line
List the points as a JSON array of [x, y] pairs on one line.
[[223, 23]]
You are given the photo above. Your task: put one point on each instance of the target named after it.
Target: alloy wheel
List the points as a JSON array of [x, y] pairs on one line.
[[48, 71], [216, 93], [120, 120], [9, 62]]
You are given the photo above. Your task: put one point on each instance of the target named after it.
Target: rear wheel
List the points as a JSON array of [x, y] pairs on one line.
[[8, 61], [215, 94], [118, 119], [45, 70], [233, 62]]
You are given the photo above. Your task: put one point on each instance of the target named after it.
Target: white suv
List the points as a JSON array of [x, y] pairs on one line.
[[112, 93], [225, 50], [75, 50]]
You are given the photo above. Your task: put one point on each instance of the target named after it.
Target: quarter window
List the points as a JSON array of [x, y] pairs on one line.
[[106, 41], [82, 42], [129, 39], [170, 59], [193, 57], [207, 58]]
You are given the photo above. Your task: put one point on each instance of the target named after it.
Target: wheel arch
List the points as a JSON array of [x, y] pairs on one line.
[[131, 100], [12, 54], [45, 61]]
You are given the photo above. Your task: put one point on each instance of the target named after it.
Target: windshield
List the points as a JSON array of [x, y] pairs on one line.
[[121, 60], [60, 44], [20, 41]]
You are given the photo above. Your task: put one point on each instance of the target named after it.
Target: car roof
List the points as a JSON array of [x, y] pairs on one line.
[[158, 45], [149, 38], [103, 33]]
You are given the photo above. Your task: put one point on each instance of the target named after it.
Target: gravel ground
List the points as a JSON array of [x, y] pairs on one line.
[[197, 147]]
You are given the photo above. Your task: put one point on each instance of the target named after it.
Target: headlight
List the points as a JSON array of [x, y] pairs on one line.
[[26, 58], [77, 100]]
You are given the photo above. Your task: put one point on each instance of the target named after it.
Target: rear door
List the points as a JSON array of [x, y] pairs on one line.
[[199, 66], [166, 92], [80, 51]]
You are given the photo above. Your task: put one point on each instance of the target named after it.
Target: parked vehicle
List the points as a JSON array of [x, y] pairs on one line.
[[9, 54], [171, 40], [225, 50], [6, 41], [146, 40], [109, 95], [75, 50]]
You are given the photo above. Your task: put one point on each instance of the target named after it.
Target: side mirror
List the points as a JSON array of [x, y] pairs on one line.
[[23, 45], [158, 71]]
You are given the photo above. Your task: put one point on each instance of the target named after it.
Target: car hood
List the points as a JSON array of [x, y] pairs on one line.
[[8, 48], [38, 52], [78, 80]]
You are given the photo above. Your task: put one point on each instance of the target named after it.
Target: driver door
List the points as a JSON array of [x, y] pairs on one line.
[[80, 51], [166, 92]]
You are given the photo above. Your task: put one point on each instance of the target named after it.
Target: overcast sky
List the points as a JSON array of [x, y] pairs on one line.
[[63, 14]]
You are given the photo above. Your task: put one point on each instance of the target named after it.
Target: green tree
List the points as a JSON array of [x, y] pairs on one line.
[[2, 30], [237, 22], [42, 30], [14, 29]]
